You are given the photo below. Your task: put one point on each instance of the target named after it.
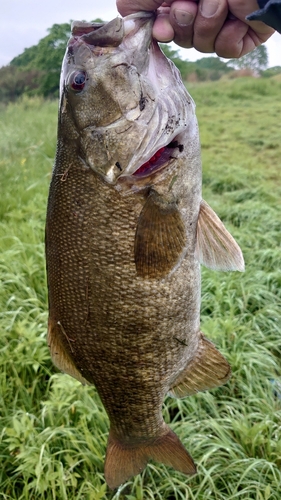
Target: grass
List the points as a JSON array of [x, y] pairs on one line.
[[53, 431]]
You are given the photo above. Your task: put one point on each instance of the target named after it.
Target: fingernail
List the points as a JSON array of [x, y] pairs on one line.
[[209, 7], [183, 18]]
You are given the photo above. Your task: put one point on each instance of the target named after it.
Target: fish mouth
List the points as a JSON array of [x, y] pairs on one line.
[[158, 160], [110, 34]]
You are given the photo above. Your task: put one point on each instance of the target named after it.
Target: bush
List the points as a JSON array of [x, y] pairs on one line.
[[14, 82]]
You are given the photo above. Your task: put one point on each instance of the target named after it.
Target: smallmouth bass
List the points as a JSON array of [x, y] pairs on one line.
[[126, 232]]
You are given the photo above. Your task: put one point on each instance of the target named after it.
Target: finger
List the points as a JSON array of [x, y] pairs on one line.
[[126, 7], [236, 39], [241, 9], [182, 16], [210, 18], [162, 29], [258, 31]]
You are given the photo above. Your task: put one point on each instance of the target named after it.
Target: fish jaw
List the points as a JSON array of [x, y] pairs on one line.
[[144, 95]]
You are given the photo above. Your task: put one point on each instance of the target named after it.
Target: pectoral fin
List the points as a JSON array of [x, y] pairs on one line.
[[160, 237], [208, 369], [215, 247]]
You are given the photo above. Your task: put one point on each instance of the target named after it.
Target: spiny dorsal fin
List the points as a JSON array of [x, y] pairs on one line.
[[208, 369], [126, 460], [215, 247], [160, 237]]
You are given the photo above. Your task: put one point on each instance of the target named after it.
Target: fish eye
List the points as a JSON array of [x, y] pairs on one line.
[[78, 80]]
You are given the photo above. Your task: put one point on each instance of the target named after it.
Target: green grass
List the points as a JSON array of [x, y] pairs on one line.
[[53, 431]]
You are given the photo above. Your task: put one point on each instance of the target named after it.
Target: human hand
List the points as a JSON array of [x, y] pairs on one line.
[[207, 25]]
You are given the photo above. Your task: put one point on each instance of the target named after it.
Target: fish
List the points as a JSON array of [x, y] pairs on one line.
[[126, 232]]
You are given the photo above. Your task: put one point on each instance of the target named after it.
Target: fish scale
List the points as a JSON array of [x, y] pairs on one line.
[[135, 312], [125, 238]]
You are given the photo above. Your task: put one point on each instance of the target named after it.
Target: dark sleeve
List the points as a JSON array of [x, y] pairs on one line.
[[269, 13]]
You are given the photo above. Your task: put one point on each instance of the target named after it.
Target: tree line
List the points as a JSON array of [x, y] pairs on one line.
[[37, 70]]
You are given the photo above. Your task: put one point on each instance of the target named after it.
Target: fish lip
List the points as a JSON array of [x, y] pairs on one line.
[[116, 172], [109, 34], [135, 179], [129, 181]]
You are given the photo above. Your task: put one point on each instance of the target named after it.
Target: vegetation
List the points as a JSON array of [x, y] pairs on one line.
[[46, 57], [273, 71], [256, 60], [206, 68], [37, 70], [53, 431]]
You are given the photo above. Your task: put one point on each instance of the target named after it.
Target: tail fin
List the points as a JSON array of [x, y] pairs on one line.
[[125, 460]]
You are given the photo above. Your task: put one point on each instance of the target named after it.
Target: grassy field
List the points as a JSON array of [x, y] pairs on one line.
[[53, 431]]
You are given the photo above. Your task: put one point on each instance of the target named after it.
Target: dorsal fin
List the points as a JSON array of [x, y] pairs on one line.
[[215, 247], [160, 237]]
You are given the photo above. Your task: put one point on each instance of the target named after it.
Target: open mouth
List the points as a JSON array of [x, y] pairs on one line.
[[158, 160]]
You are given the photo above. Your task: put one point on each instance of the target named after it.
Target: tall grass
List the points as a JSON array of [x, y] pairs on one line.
[[53, 431]]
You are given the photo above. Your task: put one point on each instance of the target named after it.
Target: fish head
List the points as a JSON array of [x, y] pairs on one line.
[[124, 99]]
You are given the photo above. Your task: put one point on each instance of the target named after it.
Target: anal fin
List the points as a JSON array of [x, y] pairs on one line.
[[208, 369], [215, 247], [160, 237]]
